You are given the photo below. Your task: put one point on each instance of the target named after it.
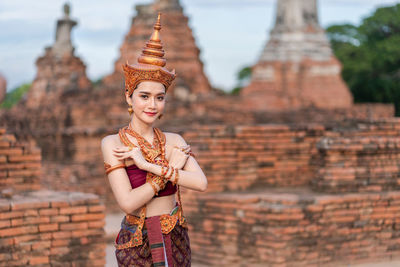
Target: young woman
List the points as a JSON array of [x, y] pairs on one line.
[[145, 168]]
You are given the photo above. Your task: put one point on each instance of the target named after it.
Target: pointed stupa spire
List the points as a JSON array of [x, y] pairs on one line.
[[153, 52]]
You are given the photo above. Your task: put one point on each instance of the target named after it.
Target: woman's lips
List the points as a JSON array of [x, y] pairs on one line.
[[150, 114]]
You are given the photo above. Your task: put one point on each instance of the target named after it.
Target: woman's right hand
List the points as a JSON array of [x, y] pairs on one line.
[[134, 153]]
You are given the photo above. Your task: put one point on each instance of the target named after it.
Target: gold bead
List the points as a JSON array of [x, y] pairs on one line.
[[130, 109]]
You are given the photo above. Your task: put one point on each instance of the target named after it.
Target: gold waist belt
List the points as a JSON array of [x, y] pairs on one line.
[[167, 222]]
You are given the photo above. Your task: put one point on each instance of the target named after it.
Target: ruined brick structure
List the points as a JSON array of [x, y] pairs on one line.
[[3, 88], [297, 68], [41, 227], [58, 70], [182, 53], [283, 195]]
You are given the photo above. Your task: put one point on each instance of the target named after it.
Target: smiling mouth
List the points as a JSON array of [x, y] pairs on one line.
[[150, 113]]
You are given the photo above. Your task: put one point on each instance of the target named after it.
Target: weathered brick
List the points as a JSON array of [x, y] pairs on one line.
[[24, 158], [15, 231], [12, 214], [73, 226], [73, 210], [48, 227], [40, 245], [28, 205], [98, 208], [46, 212], [38, 260], [60, 218], [62, 235], [87, 217]]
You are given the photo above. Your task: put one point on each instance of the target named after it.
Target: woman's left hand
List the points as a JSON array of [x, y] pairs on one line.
[[179, 157], [134, 153]]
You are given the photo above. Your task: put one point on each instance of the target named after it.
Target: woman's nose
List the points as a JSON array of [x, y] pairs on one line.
[[153, 103]]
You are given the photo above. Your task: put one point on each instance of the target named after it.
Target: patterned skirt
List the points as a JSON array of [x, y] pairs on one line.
[[141, 255]]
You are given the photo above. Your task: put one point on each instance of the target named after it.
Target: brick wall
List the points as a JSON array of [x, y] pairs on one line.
[[44, 228], [47, 228], [20, 164], [357, 164], [279, 195], [245, 157], [294, 228]]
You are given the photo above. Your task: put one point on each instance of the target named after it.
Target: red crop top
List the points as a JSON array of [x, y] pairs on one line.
[[137, 177]]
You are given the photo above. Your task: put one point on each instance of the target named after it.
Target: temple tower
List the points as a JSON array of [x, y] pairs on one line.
[[297, 68], [182, 53], [63, 43], [59, 70], [3, 88]]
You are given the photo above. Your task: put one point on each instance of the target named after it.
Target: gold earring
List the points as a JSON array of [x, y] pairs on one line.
[[130, 110], [159, 117]]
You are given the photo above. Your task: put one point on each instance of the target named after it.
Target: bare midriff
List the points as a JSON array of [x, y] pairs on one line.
[[158, 206]]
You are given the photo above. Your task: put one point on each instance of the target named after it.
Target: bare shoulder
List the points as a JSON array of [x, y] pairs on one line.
[[110, 141], [174, 139]]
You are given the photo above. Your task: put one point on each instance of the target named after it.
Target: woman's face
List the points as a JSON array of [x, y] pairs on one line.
[[148, 101]]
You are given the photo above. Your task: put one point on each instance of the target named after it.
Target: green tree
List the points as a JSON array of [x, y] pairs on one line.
[[370, 54], [15, 95], [242, 77]]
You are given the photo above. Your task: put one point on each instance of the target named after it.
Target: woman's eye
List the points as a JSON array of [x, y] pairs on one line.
[[160, 98], [144, 96]]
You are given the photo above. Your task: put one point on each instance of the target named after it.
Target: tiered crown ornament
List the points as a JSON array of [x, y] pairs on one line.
[[150, 66]]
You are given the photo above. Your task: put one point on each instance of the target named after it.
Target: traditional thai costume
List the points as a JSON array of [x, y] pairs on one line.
[[158, 240]]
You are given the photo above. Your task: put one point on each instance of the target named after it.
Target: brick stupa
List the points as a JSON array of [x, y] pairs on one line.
[[59, 70], [182, 53], [3, 88], [297, 68]]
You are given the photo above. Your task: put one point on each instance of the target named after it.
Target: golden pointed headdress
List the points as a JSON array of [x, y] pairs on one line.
[[150, 66]]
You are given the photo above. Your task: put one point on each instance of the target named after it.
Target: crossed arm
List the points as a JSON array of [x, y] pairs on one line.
[[190, 176]]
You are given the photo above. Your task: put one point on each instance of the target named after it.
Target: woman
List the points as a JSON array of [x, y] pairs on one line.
[[145, 168]]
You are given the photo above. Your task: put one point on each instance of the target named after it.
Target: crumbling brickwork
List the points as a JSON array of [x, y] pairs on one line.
[[283, 195], [48, 228], [41, 227], [20, 164]]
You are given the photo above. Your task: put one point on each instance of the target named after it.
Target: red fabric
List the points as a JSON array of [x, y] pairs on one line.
[[155, 238], [137, 177], [168, 247]]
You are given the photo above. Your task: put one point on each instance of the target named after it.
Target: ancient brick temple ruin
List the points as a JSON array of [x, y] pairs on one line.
[[39, 227], [3, 88], [179, 44], [58, 70], [302, 179], [297, 68], [296, 195]]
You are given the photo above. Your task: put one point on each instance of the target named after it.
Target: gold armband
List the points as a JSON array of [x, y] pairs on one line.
[[110, 168]]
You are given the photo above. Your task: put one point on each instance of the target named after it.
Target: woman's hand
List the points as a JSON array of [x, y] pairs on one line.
[[125, 152], [179, 157]]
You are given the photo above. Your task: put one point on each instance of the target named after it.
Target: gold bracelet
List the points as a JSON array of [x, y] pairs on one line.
[[162, 171], [110, 168], [176, 177]]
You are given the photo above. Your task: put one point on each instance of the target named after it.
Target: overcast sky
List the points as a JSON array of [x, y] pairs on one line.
[[230, 33]]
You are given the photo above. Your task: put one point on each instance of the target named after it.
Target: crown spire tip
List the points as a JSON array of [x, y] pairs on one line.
[[157, 25]]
